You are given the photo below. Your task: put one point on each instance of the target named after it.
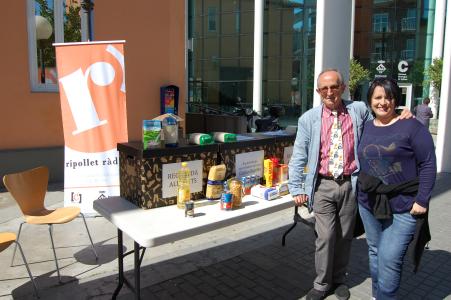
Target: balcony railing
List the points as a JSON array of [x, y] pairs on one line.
[[408, 24], [407, 54]]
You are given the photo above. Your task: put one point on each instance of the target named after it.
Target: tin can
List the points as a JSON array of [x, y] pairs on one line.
[[189, 209], [226, 201]]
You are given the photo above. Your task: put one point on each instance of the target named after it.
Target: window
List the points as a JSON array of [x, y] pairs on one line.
[[51, 21], [212, 18], [380, 22]]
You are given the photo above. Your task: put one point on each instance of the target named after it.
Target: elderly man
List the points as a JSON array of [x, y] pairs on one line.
[[323, 172]]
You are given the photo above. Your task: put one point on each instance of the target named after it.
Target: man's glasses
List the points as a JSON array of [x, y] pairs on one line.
[[325, 89]]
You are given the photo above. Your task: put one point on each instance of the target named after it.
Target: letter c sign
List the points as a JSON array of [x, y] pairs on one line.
[[403, 66]]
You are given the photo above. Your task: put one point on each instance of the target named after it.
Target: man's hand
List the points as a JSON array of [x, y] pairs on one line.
[[300, 199], [418, 209], [406, 114]]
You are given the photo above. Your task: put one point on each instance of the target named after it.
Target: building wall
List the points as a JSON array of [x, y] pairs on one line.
[[27, 120], [154, 56]]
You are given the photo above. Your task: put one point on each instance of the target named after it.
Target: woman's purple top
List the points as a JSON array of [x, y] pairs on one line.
[[397, 153]]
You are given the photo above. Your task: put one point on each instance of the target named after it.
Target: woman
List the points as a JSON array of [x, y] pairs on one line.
[[398, 169]]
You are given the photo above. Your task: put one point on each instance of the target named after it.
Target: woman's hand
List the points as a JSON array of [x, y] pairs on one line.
[[417, 209]]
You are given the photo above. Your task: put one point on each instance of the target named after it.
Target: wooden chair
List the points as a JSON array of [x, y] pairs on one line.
[[28, 188], [8, 238]]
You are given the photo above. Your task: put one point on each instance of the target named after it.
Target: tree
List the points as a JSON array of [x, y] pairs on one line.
[[434, 73], [357, 74]]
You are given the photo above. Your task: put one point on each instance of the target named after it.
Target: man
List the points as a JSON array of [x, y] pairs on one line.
[[334, 206], [323, 172], [423, 112]]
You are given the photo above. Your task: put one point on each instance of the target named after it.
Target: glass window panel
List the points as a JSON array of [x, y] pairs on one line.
[[51, 21], [247, 22], [72, 21], [231, 46], [246, 45], [212, 18], [230, 6], [228, 25], [45, 36], [211, 47]]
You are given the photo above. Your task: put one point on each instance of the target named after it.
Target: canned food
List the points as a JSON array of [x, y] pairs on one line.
[[189, 209], [226, 201]]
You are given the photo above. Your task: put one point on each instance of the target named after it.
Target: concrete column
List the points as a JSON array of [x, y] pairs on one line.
[[258, 56], [443, 146], [351, 48], [437, 47], [429, 41], [333, 39]]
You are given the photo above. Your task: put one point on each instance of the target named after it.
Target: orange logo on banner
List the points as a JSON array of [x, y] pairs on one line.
[[92, 91]]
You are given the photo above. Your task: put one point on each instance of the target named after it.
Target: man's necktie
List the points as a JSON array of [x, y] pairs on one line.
[[336, 148]]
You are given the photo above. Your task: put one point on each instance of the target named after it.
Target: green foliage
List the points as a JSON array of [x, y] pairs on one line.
[[357, 74], [416, 73], [434, 73]]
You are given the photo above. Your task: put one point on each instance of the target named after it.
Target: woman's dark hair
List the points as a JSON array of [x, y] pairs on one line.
[[390, 86]]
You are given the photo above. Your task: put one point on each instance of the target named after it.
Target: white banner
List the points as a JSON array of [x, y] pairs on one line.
[[93, 107]]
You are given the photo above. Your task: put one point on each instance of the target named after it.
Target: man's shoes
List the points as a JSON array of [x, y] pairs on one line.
[[316, 295], [341, 291]]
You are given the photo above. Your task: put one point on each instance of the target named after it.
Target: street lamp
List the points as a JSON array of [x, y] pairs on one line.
[[43, 32]]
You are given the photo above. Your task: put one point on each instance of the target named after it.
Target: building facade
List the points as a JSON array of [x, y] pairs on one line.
[[206, 47]]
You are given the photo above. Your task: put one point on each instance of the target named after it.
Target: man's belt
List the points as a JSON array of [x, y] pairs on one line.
[[340, 179]]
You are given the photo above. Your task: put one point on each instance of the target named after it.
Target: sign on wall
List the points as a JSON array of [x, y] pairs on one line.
[[93, 106], [169, 178]]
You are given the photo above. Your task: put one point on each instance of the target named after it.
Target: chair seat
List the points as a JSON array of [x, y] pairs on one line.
[[6, 239], [57, 216]]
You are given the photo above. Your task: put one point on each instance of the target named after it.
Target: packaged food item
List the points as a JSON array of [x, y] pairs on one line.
[[263, 192], [183, 185], [282, 188], [170, 131], [216, 176], [224, 137], [275, 170], [268, 172], [151, 133], [200, 139], [246, 181], [236, 188], [283, 173]]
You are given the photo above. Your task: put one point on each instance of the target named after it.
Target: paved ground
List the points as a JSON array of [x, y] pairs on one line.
[[244, 261]]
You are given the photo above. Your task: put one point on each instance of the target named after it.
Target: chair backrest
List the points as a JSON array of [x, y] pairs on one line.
[[28, 188]]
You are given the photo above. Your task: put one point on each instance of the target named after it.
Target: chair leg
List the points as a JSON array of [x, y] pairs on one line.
[[28, 269], [54, 253], [89, 235], [15, 246]]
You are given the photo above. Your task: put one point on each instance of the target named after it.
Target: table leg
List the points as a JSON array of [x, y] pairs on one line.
[[120, 259], [137, 272]]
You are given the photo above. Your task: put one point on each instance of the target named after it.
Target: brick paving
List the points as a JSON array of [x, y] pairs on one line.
[[243, 261], [276, 272]]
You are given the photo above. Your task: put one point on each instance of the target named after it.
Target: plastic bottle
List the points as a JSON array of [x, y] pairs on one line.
[[183, 189]]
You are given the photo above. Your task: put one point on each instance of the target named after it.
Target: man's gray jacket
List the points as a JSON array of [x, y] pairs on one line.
[[306, 150]]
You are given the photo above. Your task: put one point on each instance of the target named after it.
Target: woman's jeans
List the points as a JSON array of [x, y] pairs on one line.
[[387, 245]]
